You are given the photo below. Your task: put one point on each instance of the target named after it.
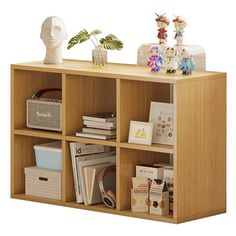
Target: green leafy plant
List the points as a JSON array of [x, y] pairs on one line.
[[109, 42]]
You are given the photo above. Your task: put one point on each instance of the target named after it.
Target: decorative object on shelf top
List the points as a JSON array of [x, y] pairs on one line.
[[53, 33], [186, 64], [171, 60], [162, 23], [99, 54], [155, 60], [179, 24]]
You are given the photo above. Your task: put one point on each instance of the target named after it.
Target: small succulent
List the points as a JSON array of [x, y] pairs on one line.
[[110, 42]]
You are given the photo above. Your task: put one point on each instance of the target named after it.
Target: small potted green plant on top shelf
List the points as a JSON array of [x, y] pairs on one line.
[[99, 53]]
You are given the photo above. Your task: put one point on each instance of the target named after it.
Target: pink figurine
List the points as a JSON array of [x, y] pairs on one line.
[[162, 23], [155, 59]]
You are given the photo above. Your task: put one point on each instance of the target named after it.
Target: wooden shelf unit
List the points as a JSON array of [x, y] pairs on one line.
[[199, 151]]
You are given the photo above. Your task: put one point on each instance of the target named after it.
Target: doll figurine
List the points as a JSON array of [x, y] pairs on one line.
[[180, 25], [162, 23], [170, 60], [186, 64], [155, 59]]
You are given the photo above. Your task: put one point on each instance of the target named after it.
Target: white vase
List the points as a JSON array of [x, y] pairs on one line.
[[99, 57]]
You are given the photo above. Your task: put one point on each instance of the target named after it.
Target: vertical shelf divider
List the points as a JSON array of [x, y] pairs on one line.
[[118, 139], [118, 177], [173, 157], [68, 193], [64, 104], [118, 127], [64, 163], [64, 172]]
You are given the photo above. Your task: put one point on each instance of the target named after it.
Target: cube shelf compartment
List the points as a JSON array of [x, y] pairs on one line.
[[199, 150]]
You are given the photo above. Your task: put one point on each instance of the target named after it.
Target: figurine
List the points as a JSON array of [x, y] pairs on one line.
[[155, 59], [162, 23], [180, 24], [186, 64], [53, 33], [170, 60]]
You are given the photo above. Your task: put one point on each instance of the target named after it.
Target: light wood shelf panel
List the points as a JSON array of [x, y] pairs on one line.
[[115, 71], [38, 133], [74, 138], [200, 173], [162, 148]]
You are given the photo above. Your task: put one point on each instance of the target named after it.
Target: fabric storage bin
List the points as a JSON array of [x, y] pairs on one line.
[[42, 183], [49, 156]]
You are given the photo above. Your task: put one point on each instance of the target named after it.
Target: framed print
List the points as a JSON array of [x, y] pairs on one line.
[[162, 117], [140, 132]]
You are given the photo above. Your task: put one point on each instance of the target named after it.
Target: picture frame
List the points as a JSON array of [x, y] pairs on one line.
[[140, 132], [162, 117]]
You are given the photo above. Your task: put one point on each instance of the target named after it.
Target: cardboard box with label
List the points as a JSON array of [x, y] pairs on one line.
[[159, 198], [150, 172], [139, 194]]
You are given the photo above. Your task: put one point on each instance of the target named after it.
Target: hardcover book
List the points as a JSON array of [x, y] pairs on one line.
[[97, 136], [101, 117]]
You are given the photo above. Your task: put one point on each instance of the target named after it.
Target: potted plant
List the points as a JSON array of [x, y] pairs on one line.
[[99, 53]]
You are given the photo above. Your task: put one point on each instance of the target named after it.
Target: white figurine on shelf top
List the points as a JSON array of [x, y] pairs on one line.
[[180, 25], [53, 33], [171, 60]]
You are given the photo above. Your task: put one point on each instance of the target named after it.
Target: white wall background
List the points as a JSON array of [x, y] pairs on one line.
[[211, 24]]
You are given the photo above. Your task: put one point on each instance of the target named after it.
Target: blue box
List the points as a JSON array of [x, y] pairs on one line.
[[49, 156]]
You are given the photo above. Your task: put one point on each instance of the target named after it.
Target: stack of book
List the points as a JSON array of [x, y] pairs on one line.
[[87, 161], [99, 126]]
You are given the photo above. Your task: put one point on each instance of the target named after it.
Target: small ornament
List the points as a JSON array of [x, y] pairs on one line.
[[155, 59], [180, 25], [186, 64], [53, 33], [162, 23], [171, 60]]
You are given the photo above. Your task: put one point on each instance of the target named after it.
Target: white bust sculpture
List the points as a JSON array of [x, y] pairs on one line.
[[53, 33]]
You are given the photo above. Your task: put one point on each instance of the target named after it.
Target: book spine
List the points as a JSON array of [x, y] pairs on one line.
[[75, 174], [96, 119], [95, 123]]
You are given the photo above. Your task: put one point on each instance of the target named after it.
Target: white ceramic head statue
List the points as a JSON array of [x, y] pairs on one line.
[[53, 33]]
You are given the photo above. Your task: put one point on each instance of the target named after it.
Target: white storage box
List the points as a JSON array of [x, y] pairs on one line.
[[42, 183], [49, 156], [196, 51]]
